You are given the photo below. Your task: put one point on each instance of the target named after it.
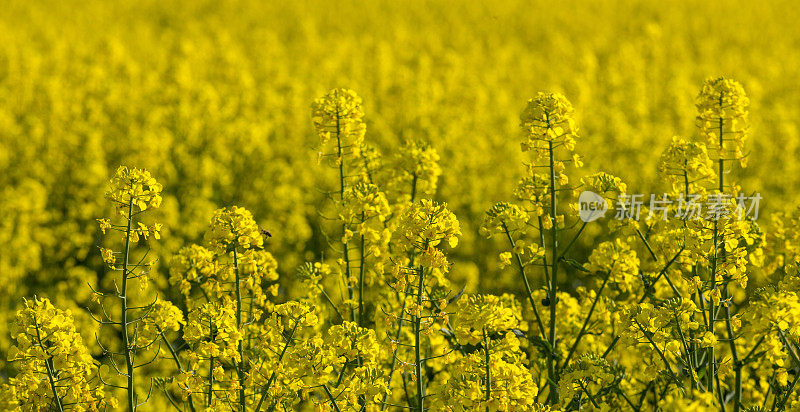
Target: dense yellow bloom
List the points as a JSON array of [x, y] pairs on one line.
[[234, 228], [774, 311], [338, 116], [686, 166], [503, 217], [52, 360], [480, 314], [722, 107], [362, 202], [701, 402], [548, 120], [743, 241], [512, 386], [607, 186], [347, 348], [301, 313], [211, 330], [587, 373], [413, 170], [618, 261], [192, 264], [425, 225], [783, 240], [131, 187], [162, 317], [604, 184]]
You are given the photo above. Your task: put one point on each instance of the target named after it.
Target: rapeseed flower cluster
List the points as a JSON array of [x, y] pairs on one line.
[[56, 370]]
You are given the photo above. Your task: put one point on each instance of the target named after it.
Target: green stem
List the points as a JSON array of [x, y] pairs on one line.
[[747, 357], [212, 336], [240, 366], [126, 343], [553, 287], [582, 332], [394, 354], [591, 398], [342, 186], [712, 316], [710, 350], [177, 363], [418, 343], [330, 302], [610, 346], [789, 391], [330, 397], [361, 273], [737, 365], [658, 350], [397, 334], [688, 352], [411, 258], [48, 364], [571, 242], [488, 369], [528, 291], [271, 380], [789, 348], [719, 394], [737, 399], [628, 401], [647, 245]]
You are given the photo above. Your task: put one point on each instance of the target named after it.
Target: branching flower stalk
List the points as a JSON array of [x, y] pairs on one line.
[[722, 106], [338, 115], [488, 368], [415, 170], [48, 364], [422, 228], [132, 191], [274, 374], [418, 361], [547, 126], [493, 376], [235, 232]]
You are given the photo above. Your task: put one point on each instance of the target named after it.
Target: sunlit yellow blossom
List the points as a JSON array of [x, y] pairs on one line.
[[722, 107], [134, 190]]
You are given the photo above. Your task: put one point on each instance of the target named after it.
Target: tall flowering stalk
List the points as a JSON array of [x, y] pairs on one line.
[[234, 231], [338, 120], [531, 226], [548, 126], [365, 209], [232, 330], [411, 173], [549, 134], [362, 206], [722, 116], [711, 250], [133, 192], [422, 228]]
